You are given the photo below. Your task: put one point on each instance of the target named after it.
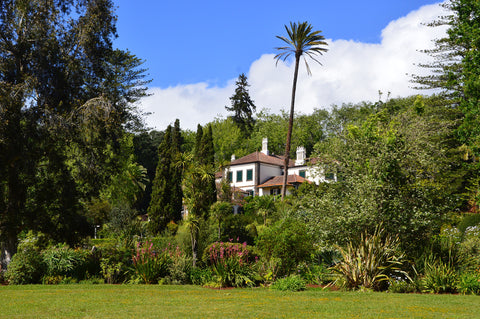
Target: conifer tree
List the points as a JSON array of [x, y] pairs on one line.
[[176, 173], [159, 211], [209, 160], [242, 106]]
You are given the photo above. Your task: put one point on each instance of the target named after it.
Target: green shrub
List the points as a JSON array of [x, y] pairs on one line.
[[267, 269], [290, 283], [201, 276], [180, 267], [402, 286], [439, 277], [469, 283], [314, 274], [467, 221], [114, 263], [60, 260], [288, 241], [26, 267], [370, 263], [469, 248]]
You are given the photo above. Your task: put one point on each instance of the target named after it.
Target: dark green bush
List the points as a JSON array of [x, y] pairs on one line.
[[201, 276], [314, 274], [26, 267], [402, 286], [469, 283], [290, 283], [288, 241]]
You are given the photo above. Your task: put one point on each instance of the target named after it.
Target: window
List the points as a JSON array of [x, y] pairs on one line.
[[275, 191], [239, 176], [251, 192], [230, 177], [329, 176], [249, 175], [302, 173]]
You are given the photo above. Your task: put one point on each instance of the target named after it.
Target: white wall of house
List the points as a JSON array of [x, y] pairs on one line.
[[242, 168]]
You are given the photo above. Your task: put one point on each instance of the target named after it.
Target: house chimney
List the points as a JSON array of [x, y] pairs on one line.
[[265, 146], [301, 154], [232, 158]]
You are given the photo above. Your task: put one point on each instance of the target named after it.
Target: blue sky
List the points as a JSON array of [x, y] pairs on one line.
[[194, 50]]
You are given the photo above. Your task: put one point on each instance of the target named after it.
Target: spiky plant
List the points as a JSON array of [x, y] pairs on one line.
[[371, 262]]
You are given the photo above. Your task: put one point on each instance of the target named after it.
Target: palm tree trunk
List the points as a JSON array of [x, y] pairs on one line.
[[290, 127]]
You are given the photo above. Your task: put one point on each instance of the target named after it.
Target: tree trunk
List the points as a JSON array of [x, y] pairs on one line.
[[8, 249], [194, 252], [290, 127]]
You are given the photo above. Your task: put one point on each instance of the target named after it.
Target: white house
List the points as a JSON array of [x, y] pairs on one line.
[[261, 173]]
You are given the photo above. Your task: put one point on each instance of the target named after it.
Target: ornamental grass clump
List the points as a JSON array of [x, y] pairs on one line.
[[231, 264], [370, 263], [150, 265]]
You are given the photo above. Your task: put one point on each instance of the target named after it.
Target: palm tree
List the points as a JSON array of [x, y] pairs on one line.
[[301, 40]]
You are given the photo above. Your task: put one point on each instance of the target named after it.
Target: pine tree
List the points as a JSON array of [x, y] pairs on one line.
[[456, 71], [242, 106]]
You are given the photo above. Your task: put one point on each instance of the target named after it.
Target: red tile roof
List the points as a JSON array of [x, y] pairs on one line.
[[278, 181], [262, 158]]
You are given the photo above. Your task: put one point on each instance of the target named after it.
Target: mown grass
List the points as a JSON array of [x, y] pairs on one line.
[[141, 301]]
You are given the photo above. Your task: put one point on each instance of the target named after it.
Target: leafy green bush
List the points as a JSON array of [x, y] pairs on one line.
[[402, 286], [180, 267], [201, 276], [468, 220], [62, 261], [290, 283], [26, 267], [469, 283], [370, 263], [288, 241], [230, 264], [469, 248], [314, 274], [114, 263], [439, 277]]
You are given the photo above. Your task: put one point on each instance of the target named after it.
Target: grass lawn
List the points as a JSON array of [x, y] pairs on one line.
[[141, 301]]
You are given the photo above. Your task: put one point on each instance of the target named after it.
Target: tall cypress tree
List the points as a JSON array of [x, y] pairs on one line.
[[159, 211], [208, 155], [176, 173], [198, 143]]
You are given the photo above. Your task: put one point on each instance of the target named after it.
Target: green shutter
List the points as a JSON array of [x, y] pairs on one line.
[[239, 176], [249, 174]]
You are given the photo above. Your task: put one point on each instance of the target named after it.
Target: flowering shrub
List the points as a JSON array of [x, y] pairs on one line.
[[150, 265], [231, 264]]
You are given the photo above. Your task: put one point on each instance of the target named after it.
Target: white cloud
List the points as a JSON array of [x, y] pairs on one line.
[[192, 104], [350, 72]]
